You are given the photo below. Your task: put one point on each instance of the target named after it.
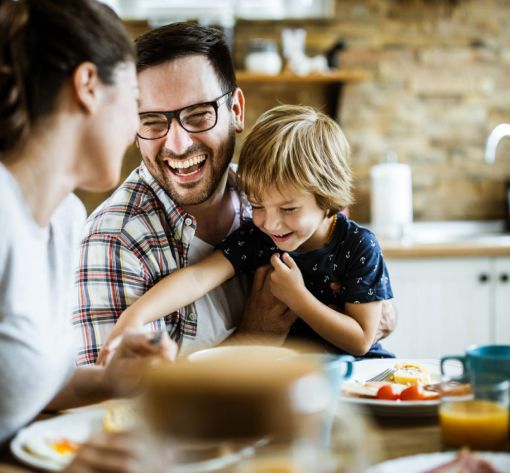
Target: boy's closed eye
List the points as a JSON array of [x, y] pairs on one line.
[[288, 210]]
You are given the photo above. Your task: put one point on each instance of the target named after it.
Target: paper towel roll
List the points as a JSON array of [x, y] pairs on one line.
[[391, 200]]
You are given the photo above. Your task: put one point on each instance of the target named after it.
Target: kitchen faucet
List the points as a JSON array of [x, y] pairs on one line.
[[496, 135]]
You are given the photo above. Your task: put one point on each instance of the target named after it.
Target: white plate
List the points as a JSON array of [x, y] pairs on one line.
[[80, 424], [77, 426], [365, 369], [424, 462]]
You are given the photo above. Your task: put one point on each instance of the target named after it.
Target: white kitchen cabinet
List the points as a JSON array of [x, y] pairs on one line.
[[502, 300], [447, 304]]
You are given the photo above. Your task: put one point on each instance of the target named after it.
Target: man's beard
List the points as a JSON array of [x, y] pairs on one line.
[[219, 167]]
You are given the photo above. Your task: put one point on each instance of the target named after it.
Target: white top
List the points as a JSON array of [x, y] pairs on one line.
[[36, 285], [218, 311]]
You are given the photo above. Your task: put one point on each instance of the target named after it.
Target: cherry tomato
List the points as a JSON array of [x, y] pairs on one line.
[[416, 393], [387, 393]]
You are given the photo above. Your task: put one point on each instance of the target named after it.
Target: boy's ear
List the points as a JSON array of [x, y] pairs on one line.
[[85, 81], [238, 109]]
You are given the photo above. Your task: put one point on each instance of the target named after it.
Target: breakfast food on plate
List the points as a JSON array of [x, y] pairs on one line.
[[119, 417], [51, 447], [408, 382], [410, 373], [465, 462]]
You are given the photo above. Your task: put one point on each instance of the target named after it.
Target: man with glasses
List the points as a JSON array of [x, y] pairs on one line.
[[179, 203]]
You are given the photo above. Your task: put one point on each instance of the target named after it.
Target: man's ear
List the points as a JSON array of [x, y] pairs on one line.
[[238, 109], [85, 83]]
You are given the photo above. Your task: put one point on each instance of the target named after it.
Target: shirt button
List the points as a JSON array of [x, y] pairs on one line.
[[192, 316], [188, 221]]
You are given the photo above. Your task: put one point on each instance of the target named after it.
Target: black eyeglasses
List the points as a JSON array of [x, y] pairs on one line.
[[193, 118]]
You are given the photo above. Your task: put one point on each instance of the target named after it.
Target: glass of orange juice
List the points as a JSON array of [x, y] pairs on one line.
[[477, 419]]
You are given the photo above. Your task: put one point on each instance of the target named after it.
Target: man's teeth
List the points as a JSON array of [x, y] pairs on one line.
[[186, 163]]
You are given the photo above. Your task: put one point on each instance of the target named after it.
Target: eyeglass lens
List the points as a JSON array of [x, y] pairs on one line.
[[193, 119]]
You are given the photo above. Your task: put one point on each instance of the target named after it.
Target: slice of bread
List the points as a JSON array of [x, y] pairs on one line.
[[120, 417]]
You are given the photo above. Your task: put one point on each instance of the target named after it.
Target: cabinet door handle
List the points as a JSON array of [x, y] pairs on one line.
[[503, 277], [483, 277]]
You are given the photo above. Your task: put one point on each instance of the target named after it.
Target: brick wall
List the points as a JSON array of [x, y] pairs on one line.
[[438, 82]]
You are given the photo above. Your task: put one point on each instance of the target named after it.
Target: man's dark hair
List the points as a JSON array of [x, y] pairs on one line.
[[177, 40]]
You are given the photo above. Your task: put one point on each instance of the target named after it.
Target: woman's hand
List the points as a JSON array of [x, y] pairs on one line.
[[125, 323], [287, 282], [110, 453], [125, 369]]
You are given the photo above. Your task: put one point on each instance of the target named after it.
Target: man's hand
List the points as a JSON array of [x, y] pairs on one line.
[[265, 318], [388, 320]]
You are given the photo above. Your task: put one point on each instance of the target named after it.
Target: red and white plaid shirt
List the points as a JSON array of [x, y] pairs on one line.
[[133, 240]]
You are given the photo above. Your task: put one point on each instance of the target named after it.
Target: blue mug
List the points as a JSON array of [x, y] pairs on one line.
[[337, 368], [482, 364]]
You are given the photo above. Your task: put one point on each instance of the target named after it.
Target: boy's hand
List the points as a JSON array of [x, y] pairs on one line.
[[286, 280]]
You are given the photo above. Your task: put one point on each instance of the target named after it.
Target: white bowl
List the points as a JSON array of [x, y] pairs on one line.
[[264, 352]]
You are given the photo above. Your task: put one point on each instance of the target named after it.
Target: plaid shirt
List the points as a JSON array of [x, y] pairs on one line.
[[134, 239]]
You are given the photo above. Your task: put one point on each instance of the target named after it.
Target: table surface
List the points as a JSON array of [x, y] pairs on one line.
[[397, 437]]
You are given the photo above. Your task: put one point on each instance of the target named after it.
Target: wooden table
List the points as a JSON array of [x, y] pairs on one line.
[[403, 437], [397, 437]]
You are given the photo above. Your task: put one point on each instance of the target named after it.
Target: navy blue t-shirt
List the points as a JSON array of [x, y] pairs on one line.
[[350, 268]]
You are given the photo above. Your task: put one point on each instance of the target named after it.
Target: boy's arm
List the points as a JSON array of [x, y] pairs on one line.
[[180, 288], [353, 331]]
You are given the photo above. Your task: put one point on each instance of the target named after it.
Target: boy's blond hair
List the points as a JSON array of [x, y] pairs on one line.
[[297, 146]]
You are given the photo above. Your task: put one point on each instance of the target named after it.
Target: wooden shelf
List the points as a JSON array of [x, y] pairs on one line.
[[333, 77]]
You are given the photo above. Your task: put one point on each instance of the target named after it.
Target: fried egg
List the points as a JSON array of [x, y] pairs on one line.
[[50, 446], [410, 373]]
